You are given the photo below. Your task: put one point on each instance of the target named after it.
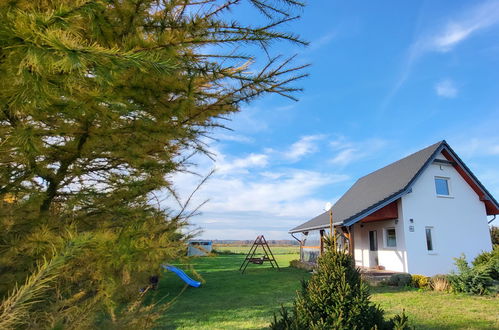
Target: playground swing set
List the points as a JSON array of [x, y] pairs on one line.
[[267, 256]]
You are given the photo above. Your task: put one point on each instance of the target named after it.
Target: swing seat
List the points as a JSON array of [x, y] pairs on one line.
[[256, 261]]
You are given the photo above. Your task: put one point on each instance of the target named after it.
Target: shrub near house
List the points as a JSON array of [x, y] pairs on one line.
[[335, 297], [479, 278]]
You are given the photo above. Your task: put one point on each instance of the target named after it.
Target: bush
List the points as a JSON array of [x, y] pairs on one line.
[[420, 281], [489, 260], [440, 283], [494, 235], [335, 297], [475, 280], [399, 322], [402, 279], [301, 265]]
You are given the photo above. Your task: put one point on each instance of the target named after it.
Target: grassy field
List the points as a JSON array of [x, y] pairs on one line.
[[229, 300], [239, 249]]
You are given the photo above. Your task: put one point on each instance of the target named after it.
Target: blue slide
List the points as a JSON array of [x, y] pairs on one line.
[[180, 273]]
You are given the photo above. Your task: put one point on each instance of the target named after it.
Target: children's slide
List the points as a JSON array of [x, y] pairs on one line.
[[180, 273]]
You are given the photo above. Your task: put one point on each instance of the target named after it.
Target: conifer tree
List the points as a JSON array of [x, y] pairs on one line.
[[335, 297], [101, 101]]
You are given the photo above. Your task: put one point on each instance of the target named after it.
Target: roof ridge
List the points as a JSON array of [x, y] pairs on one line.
[[401, 159]]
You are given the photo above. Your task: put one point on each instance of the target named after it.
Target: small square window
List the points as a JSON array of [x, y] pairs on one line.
[[391, 237], [442, 186]]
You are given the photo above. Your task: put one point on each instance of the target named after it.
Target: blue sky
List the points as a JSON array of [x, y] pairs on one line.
[[387, 78]]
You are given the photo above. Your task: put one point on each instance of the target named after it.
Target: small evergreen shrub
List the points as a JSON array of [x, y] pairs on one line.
[[402, 279], [474, 280], [399, 322], [440, 283], [490, 260], [335, 297], [420, 281], [494, 235]]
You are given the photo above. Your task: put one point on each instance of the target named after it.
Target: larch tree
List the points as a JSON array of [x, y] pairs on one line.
[[101, 102]]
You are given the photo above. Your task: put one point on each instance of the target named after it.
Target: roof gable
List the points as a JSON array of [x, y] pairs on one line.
[[379, 188]]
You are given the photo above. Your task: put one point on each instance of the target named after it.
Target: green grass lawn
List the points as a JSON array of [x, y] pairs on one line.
[[241, 249], [229, 300], [438, 310]]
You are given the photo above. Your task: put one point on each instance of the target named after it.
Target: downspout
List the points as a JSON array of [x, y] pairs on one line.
[[495, 215]]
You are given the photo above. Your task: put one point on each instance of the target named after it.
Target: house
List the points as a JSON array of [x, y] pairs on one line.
[[414, 215]]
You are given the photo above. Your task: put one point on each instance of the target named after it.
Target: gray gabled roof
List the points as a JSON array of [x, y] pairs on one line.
[[374, 190]]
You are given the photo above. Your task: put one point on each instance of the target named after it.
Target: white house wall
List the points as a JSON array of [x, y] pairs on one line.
[[391, 258], [459, 222]]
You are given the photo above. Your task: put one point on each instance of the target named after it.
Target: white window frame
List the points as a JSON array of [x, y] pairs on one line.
[[432, 231], [449, 187], [385, 238]]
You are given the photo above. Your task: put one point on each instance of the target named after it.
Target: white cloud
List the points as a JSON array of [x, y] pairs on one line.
[[455, 31], [249, 195], [444, 38], [240, 164], [323, 40], [345, 157], [475, 147], [348, 152], [241, 205], [234, 138], [446, 88], [290, 194], [305, 146]]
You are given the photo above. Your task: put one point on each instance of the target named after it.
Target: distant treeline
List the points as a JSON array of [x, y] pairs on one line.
[[249, 242]]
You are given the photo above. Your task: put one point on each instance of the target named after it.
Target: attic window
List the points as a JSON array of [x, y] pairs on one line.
[[442, 186]]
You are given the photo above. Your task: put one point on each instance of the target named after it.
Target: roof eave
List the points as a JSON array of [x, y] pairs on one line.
[[471, 175], [325, 226]]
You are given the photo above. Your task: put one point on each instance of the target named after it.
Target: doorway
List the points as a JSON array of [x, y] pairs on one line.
[[373, 248]]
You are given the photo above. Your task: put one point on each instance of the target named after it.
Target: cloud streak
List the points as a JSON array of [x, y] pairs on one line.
[[477, 18], [256, 193], [263, 192], [305, 146], [348, 152], [446, 88], [445, 37]]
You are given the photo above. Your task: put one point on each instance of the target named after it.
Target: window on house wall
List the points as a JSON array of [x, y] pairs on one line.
[[442, 186], [429, 239], [391, 237]]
